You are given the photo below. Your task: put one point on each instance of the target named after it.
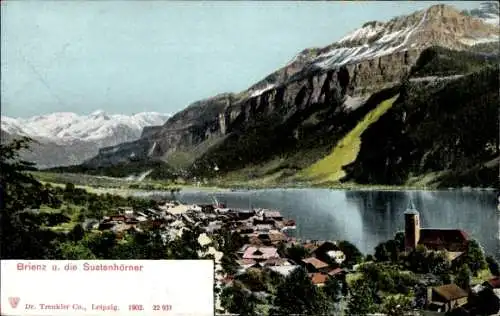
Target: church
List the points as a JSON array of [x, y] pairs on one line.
[[453, 241]]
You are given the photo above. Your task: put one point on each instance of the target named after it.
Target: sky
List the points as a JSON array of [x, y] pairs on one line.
[[159, 56]]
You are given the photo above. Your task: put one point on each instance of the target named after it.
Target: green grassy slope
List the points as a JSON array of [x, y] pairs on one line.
[[329, 169]]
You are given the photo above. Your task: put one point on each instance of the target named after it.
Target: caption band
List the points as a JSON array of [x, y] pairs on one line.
[[105, 287]]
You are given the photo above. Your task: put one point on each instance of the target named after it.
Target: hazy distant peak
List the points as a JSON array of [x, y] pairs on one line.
[[67, 126]]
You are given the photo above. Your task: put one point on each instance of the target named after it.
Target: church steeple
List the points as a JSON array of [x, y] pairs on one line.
[[410, 209], [412, 226]]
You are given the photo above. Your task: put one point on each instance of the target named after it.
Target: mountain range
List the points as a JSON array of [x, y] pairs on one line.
[[410, 100], [64, 138]]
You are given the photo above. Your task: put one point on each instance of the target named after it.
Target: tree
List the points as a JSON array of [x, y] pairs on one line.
[[475, 258], [101, 245], [253, 280], [333, 289], [95, 210], [439, 264], [332, 292], [493, 266], [74, 251], [381, 253], [396, 305], [417, 259], [297, 253], [486, 302], [70, 187], [21, 234], [236, 299], [298, 295], [463, 277], [229, 264], [361, 301], [77, 233], [352, 254], [399, 239]]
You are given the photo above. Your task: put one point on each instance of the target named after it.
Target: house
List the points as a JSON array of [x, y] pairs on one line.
[[255, 240], [275, 262], [315, 265], [131, 220], [246, 263], [284, 270], [336, 255], [242, 250], [446, 297], [91, 223], [260, 253], [311, 246], [337, 272], [117, 218], [329, 251], [262, 221], [106, 225], [277, 237], [126, 210], [244, 214], [263, 227], [272, 215], [318, 279], [204, 240], [207, 208]]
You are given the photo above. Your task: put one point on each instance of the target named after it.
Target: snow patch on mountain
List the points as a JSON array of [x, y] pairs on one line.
[[376, 39], [65, 138], [262, 90], [489, 12], [476, 41], [64, 127]]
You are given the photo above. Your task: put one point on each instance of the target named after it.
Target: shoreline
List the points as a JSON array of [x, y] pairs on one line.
[[228, 189], [120, 185]]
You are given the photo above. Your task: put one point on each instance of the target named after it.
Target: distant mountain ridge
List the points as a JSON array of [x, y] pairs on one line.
[[65, 138]]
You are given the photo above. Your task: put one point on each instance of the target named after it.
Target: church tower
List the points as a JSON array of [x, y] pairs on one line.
[[412, 227]]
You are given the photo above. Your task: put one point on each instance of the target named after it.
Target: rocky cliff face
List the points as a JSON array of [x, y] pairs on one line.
[[310, 98]]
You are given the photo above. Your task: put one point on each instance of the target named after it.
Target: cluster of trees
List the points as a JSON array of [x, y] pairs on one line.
[[440, 61], [378, 290], [160, 170], [294, 294]]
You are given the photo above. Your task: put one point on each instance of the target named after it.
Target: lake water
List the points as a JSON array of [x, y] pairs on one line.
[[367, 218]]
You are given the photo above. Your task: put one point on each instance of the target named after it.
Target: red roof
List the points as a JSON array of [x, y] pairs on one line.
[[495, 282], [318, 278], [316, 263], [450, 239], [336, 271]]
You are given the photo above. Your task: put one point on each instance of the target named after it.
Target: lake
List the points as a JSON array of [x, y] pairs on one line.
[[367, 218]]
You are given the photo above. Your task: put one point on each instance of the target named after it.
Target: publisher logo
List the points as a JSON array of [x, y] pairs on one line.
[[13, 301]]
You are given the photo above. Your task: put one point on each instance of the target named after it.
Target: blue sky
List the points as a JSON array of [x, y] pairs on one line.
[[134, 56]]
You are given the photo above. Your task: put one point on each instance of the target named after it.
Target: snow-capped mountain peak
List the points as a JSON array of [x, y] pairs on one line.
[[65, 138], [65, 126], [440, 25]]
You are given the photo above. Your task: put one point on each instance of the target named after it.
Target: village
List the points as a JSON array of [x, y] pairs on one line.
[[267, 235]]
